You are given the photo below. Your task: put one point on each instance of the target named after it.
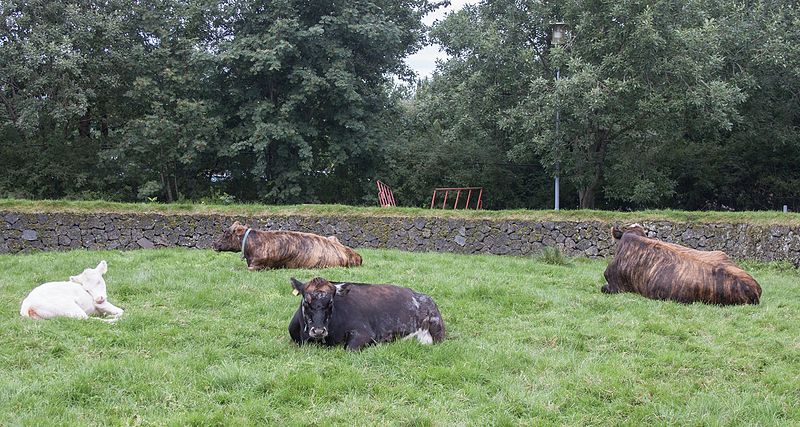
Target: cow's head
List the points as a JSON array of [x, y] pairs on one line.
[[92, 282], [316, 308], [231, 238], [636, 229]]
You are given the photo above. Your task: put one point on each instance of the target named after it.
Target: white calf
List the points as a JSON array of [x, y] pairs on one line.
[[83, 295]]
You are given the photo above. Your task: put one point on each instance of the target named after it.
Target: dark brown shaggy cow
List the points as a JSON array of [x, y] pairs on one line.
[[358, 314], [285, 249], [666, 271]]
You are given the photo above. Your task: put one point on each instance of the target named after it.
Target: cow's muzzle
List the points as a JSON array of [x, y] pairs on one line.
[[318, 333]]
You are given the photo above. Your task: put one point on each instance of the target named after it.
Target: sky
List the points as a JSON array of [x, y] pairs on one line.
[[424, 61]]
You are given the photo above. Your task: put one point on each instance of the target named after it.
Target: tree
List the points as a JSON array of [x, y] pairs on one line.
[[54, 86], [763, 150], [637, 78], [451, 135], [304, 85], [168, 146], [689, 104], [648, 93]]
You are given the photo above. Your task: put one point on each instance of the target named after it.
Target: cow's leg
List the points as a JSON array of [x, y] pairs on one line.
[[255, 266], [50, 311], [258, 264], [75, 312], [109, 309], [612, 278], [358, 339], [105, 319], [295, 330], [608, 289]]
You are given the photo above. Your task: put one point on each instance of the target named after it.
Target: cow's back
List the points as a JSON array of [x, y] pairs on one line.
[[393, 310], [294, 249], [322, 252]]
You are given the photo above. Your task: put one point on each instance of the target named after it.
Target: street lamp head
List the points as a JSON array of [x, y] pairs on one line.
[[558, 33]]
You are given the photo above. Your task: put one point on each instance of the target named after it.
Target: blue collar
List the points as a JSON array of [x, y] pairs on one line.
[[244, 240]]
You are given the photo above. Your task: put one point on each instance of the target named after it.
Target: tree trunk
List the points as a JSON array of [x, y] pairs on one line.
[[175, 186], [167, 185], [587, 193], [104, 131], [586, 197], [85, 124]]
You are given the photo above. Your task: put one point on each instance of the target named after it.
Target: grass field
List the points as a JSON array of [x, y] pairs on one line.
[[99, 206], [204, 342]]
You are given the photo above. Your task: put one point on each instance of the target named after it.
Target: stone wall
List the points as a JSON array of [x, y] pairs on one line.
[[22, 232]]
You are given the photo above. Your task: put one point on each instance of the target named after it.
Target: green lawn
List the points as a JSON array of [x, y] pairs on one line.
[[203, 341], [188, 208]]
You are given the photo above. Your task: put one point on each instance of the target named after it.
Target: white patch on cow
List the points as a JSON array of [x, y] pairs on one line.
[[422, 335], [416, 303]]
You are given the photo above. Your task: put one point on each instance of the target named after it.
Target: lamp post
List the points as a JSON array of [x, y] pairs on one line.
[[558, 36]]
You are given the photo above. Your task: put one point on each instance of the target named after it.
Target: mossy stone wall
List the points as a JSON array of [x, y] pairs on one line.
[[22, 232]]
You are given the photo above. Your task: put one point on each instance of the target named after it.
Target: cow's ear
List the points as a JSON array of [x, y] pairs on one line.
[[238, 229], [616, 233], [298, 286], [343, 288], [102, 268]]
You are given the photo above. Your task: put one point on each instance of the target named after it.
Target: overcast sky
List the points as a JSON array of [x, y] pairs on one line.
[[424, 61]]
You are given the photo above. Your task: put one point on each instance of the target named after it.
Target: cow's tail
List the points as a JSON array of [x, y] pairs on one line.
[[355, 259], [435, 324], [436, 329]]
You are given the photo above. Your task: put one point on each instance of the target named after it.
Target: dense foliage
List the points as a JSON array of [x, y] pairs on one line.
[[168, 99], [693, 104]]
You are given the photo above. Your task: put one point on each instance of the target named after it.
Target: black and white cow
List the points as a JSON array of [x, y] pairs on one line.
[[357, 314]]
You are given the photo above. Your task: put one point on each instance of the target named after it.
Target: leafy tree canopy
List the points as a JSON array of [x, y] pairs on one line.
[[689, 104]]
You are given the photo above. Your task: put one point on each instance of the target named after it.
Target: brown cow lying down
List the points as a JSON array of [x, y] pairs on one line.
[[357, 314], [666, 271], [285, 249]]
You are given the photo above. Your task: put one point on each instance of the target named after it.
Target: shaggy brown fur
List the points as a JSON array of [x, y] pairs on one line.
[[666, 271], [286, 249]]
